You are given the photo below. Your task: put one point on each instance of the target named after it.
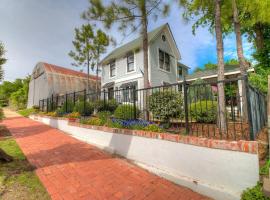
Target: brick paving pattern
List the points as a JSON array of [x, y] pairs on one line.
[[71, 169]]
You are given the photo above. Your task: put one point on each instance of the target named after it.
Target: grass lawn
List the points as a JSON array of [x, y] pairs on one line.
[[17, 178]]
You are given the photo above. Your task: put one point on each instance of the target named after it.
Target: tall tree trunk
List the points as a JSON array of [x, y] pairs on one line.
[[220, 51], [88, 63], [259, 36], [97, 81], [145, 57], [241, 58]]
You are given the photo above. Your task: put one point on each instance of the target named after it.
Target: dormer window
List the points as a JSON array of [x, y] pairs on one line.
[[130, 62], [164, 61], [112, 69]]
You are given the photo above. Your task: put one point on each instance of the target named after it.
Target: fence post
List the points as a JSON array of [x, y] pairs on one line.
[[134, 102], [186, 105], [249, 115], [66, 103], [43, 105], [84, 101], [104, 97], [56, 102], [52, 108], [47, 107], [74, 98]]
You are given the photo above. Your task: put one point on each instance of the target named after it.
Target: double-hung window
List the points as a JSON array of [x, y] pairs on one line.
[[164, 60], [112, 69], [130, 62]]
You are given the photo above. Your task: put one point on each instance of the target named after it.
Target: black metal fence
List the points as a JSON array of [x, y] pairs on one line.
[[183, 108]]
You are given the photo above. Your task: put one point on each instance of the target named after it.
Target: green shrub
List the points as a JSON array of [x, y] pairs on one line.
[[204, 111], [166, 104], [73, 115], [67, 106], [153, 128], [60, 112], [112, 124], [109, 105], [199, 89], [79, 107], [93, 121], [254, 193], [27, 112], [126, 111], [104, 116]]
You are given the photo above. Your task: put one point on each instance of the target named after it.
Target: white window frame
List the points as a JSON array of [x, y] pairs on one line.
[[134, 63], [170, 60], [114, 61]]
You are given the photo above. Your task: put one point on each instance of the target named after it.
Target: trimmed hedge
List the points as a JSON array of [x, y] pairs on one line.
[[126, 111], [204, 111], [165, 105]]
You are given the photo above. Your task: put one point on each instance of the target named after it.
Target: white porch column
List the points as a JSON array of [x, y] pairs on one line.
[[240, 89]]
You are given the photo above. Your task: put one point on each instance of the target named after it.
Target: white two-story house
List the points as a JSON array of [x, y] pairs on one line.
[[123, 67]]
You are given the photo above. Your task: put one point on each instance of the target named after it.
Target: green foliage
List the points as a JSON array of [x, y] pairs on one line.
[[264, 170], [126, 111], [126, 14], [254, 193], [18, 99], [166, 104], [259, 79], [153, 128], [199, 90], [67, 106], [114, 124], [109, 105], [3, 60], [15, 93], [89, 45], [73, 115], [204, 111], [18, 178], [60, 112], [93, 121], [87, 110], [231, 90], [28, 111], [104, 116]]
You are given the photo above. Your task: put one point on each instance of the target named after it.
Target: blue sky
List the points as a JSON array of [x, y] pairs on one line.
[[34, 31]]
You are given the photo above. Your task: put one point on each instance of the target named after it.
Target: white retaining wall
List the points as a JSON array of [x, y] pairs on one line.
[[220, 174]]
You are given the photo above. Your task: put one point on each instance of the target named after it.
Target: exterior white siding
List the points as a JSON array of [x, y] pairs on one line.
[[158, 76], [121, 74]]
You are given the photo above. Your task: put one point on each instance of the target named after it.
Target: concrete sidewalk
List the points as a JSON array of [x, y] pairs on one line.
[[71, 169]]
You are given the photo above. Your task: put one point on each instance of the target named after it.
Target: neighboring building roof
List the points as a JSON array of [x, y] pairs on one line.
[[134, 44], [65, 71], [228, 70], [182, 65]]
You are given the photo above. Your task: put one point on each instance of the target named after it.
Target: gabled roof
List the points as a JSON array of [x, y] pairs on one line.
[[228, 69], [65, 71], [135, 44]]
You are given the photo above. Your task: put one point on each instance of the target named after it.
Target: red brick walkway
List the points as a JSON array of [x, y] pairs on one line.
[[71, 169]]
